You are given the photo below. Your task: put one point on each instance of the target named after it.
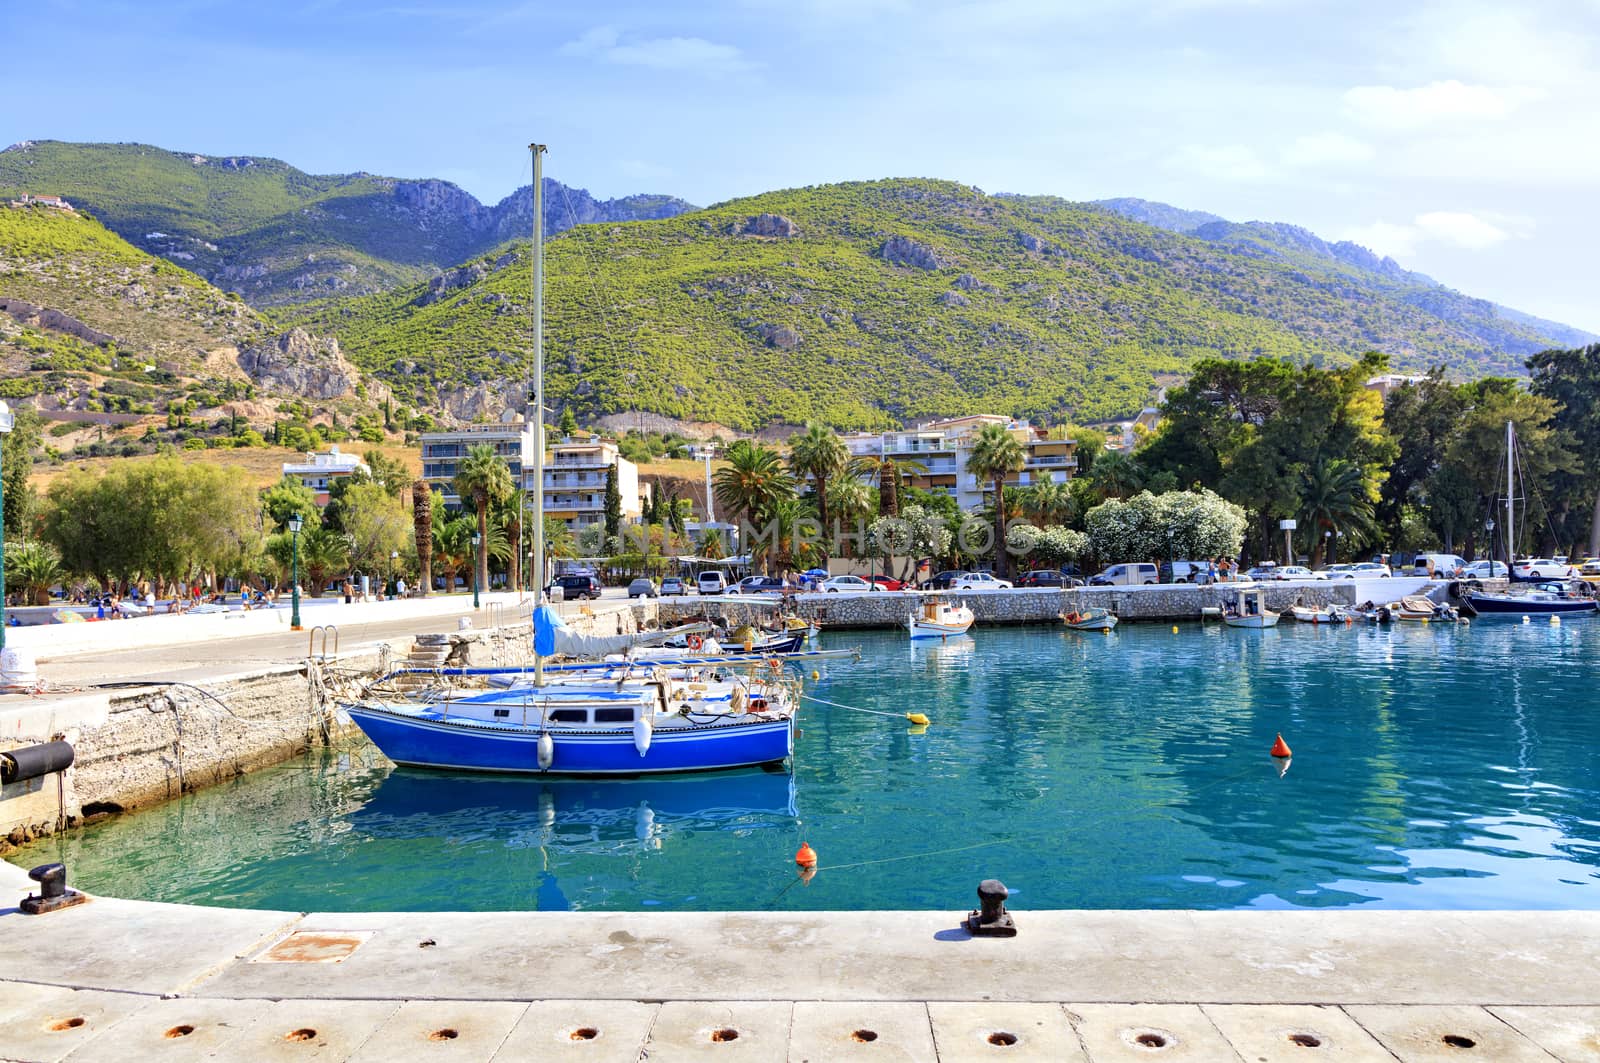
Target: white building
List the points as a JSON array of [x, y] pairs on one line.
[[575, 482], [442, 452], [942, 448], [319, 471]]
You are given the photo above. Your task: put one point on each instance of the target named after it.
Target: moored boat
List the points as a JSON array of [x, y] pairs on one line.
[[1311, 614], [1249, 609], [939, 618], [1095, 619]]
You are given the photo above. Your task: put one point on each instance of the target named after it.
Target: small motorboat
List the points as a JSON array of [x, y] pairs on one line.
[[1420, 610], [1090, 620], [1310, 614], [1249, 609], [939, 619]]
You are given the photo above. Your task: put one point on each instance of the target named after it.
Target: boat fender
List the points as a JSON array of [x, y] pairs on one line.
[[642, 731], [547, 751], [741, 700]]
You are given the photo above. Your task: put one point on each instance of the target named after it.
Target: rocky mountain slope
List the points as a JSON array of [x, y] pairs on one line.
[[867, 304], [277, 235]]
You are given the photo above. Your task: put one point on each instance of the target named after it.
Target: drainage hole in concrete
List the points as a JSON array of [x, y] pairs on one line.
[[67, 1024], [864, 1036], [1001, 1039], [426, 943], [180, 1031], [445, 1034], [1305, 1040], [1455, 1040], [305, 1033], [724, 1034], [584, 1033], [1150, 1040]]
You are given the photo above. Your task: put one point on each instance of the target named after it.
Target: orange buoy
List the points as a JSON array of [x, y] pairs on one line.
[[807, 856], [1280, 748]]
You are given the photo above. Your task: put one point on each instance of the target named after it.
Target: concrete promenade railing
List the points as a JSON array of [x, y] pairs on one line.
[[48, 641]]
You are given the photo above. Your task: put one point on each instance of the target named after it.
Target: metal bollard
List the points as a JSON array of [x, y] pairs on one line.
[[992, 920], [53, 892]]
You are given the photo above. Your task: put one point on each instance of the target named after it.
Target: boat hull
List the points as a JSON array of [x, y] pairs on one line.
[[1493, 605], [1256, 622], [923, 630], [426, 741]]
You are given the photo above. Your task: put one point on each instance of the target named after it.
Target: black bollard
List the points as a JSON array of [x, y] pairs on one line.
[[53, 892], [992, 919]]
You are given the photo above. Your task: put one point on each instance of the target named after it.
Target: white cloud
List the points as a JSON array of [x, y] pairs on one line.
[[1229, 162], [1457, 229], [658, 53], [1326, 149], [1390, 108]]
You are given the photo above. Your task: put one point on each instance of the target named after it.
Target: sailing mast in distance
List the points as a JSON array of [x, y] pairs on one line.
[[536, 414]]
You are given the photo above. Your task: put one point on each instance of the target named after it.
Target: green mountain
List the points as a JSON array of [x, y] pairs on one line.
[[277, 235], [867, 304]]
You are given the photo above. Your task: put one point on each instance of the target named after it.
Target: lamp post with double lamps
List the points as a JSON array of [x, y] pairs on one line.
[[477, 559], [295, 523], [8, 421]]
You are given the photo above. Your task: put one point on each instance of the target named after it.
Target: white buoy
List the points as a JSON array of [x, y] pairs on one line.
[[1527, 620], [547, 751], [1555, 618], [642, 730]]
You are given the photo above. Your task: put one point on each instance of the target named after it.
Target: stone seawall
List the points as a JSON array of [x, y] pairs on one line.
[[140, 747]]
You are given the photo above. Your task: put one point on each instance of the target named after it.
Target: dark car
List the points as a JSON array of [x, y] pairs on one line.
[[943, 580], [1047, 577], [642, 587], [577, 586]]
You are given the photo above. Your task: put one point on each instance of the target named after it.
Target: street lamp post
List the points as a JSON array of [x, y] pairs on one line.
[[394, 569], [295, 523], [1488, 526], [477, 542], [7, 422], [1327, 547]]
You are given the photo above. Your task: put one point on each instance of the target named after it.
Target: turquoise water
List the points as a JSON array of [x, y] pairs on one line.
[[1434, 767]]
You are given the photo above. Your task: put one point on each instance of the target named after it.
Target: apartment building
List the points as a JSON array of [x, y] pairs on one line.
[[942, 448], [320, 471]]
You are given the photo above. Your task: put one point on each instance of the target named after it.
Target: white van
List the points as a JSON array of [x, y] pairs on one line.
[[711, 581], [1445, 566], [1131, 574]]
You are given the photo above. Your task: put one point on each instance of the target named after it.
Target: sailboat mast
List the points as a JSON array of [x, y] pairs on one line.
[[1511, 525], [536, 415]]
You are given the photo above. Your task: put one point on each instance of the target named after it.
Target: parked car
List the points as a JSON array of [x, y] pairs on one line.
[[1337, 572], [980, 581], [577, 585], [1186, 572], [1265, 570], [642, 588], [1492, 570], [1134, 573], [672, 586], [1543, 568], [711, 581], [886, 583], [1295, 572], [1372, 570], [845, 583], [1044, 577], [943, 581], [762, 585], [1443, 566]]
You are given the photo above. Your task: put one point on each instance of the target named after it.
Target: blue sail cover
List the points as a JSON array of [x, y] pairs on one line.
[[545, 623]]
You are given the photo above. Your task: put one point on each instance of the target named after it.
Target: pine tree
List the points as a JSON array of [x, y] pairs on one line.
[[613, 504], [569, 423]]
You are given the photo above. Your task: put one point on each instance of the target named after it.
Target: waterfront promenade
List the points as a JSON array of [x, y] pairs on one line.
[[130, 980]]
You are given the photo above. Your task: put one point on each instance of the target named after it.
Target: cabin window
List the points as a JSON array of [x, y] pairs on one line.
[[613, 715], [570, 716], [502, 712]]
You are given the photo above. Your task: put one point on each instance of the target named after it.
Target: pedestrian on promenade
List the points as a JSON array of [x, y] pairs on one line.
[[347, 590]]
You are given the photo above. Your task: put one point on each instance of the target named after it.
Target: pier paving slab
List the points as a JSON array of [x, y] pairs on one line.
[[133, 945], [1428, 1033], [1112, 1032], [442, 1030], [1277, 1033], [736, 1031], [1032, 1033], [583, 1031], [52, 1028], [883, 1031], [326, 1030], [172, 1031], [20, 996], [1568, 1033]]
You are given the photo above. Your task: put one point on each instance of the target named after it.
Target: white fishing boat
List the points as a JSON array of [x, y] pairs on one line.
[[1311, 614], [1090, 620], [1249, 609], [939, 618]]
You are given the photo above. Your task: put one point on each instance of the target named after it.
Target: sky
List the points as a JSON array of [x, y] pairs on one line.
[[1462, 138]]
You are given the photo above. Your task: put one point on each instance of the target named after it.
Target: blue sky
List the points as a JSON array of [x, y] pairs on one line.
[[1462, 138]]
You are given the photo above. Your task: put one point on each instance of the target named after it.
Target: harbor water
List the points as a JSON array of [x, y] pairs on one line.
[[1434, 766]]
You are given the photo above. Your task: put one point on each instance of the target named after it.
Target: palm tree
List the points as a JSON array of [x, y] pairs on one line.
[[32, 569], [484, 477], [711, 544], [322, 553], [1117, 474], [817, 451], [1334, 495], [452, 548], [887, 473], [1048, 502], [995, 455], [752, 483], [508, 514], [851, 500], [422, 525]]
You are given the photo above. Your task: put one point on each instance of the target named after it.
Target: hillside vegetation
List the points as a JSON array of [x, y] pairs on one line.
[[275, 234], [868, 304]]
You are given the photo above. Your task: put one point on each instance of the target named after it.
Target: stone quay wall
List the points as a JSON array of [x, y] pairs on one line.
[[141, 747]]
